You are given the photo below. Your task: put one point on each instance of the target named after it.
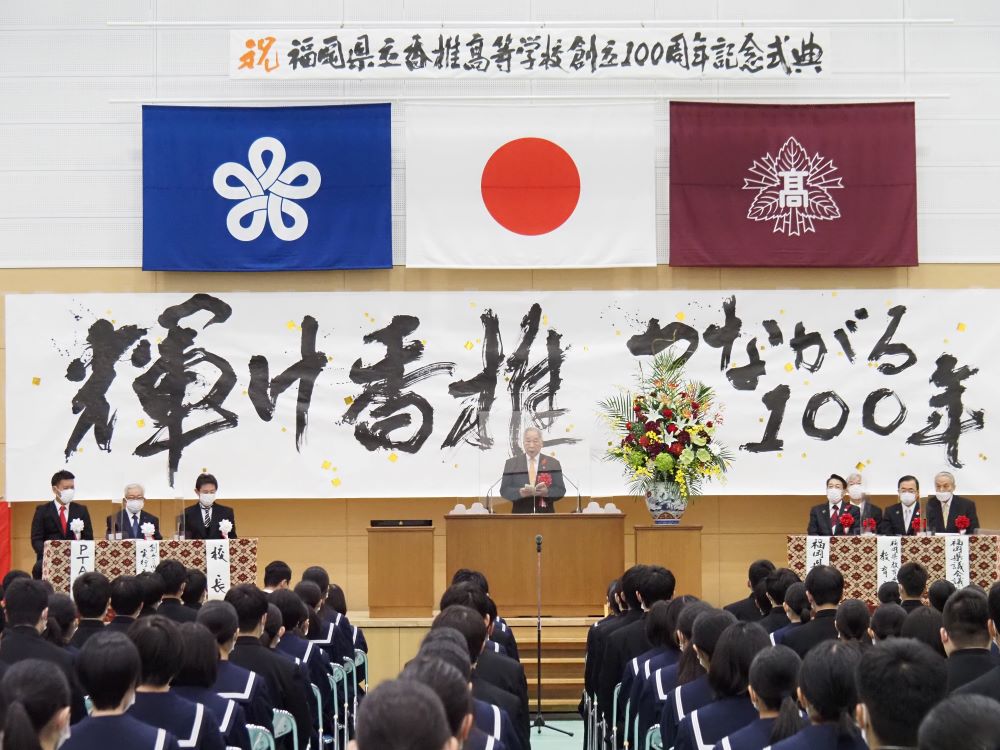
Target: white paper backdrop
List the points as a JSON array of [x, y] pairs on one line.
[[586, 336]]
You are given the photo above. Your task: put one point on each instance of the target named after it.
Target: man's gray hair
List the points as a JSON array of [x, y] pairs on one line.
[[134, 486], [945, 474], [534, 430]]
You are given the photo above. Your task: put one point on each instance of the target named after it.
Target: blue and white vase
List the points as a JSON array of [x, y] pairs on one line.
[[666, 503]]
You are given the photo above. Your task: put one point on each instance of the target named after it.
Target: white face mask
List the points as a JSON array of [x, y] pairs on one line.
[[207, 499], [856, 491], [943, 496], [834, 495], [907, 498], [135, 505], [66, 496], [63, 736]]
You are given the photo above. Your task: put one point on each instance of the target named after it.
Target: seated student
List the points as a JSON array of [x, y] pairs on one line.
[[196, 679], [195, 589], [274, 630], [945, 507], [852, 623], [277, 575], [26, 604], [403, 715], [661, 632], [966, 721], [966, 637], [109, 670], [797, 608], [905, 517], [201, 520], [8, 579], [448, 684], [774, 677], [160, 648], [825, 587], [34, 701], [61, 623], [662, 682], [939, 592], [888, 593], [335, 643], [174, 577], [285, 682], [491, 644], [775, 586], [126, 602], [501, 632], [151, 586], [898, 684], [746, 609], [448, 645], [924, 625], [835, 517], [729, 677], [887, 622], [912, 578], [336, 603], [828, 694], [131, 518], [708, 628], [91, 594]]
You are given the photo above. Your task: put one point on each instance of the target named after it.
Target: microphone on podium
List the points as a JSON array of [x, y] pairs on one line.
[[538, 542]]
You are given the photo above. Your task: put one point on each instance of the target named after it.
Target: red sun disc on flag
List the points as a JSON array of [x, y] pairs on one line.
[[530, 186]]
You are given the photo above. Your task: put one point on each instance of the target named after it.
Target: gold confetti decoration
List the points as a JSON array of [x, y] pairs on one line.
[[803, 455], [960, 327], [868, 462], [140, 423], [244, 392], [468, 347], [781, 312], [348, 400], [472, 304], [479, 341], [456, 466], [326, 465], [79, 450], [335, 481], [946, 341], [680, 315], [36, 381], [860, 466], [586, 348], [871, 364], [789, 367], [545, 320], [840, 354], [423, 342], [833, 294], [284, 429], [618, 333], [329, 358], [805, 382], [780, 455], [393, 458], [762, 347], [290, 325]]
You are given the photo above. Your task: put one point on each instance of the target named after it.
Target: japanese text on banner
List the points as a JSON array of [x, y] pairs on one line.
[[889, 558], [956, 552], [81, 559], [817, 551], [217, 567], [147, 556]]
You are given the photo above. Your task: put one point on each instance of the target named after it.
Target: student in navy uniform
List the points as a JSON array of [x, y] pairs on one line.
[[708, 628], [285, 684], [160, 648], [774, 677], [825, 587], [130, 519], [924, 625], [828, 694], [502, 634], [26, 603], [966, 637], [201, 520], [746, 609], [196, 679], [53, 519], [453, 691], [195, 589], [826, 519], [152, 592], [403, 714], [109, 669], [174, 577], [35, 696], [775, 585], [233, 681], [939, 592], [912, 578], [126, 601], [988, 684], [898, 684], [336, 612], [492, 644], [852, 622], [326, 634], [729, 677], [887, 622], [898, 519], [945, 507], [797, 608], [91, 593], [661, 631]]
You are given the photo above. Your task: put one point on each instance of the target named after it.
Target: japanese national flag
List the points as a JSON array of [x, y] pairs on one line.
[[569, 186]]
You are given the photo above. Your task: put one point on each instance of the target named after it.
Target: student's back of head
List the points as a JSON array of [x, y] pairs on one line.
[[109, 669], [277, 573], [631, 582], [466, 621], [688, 666], [887, 621], [939, 592], [797, 602], [62, 620], [91, 594], [774, 678], [319, 576], [777, 583], [160, 648], [758, 571], [199, 665], [888, 593], [403, 715], [220, 619], [34, 697], [448, 650], [293, 610], [174, 576], [729, 670], [126, 596], [195, 586], [153, 588], [912, 577], [251, 606], [825, 584], [898, 682], [708, 629], [25, 601], [450, 687], [826, 684], [966, 722], [274, 626], [656, 585], [966, 620], [852, 620], [924, 624], [661, 622]]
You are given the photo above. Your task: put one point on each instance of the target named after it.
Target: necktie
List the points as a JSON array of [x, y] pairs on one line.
[[531, 470], [944, 512], [208, 517], [135, 527], [833, 517], [62, 518]]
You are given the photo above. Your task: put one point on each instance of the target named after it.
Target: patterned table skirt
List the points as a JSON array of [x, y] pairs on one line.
[[115, 558]]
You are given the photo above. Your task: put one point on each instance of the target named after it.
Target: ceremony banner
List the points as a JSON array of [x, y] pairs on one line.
[[407, 394], [498, 53]]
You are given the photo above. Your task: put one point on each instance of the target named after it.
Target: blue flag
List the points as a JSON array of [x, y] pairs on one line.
[[266, 189]]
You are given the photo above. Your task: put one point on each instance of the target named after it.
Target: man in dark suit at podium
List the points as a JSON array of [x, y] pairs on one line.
[[201, 520], [130, 519], [946, 506], [825, 519], [54, 520], [532, 481]]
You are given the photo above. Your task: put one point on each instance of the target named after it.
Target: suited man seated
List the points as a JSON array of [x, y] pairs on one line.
[[825, 519], [903, 518], [532, 481], [130, 519], [945, 507], [53, 520], [859, 498], [201, 520]]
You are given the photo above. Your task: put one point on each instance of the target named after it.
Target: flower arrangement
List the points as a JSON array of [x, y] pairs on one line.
[[667, 431], [962, 523], [869, 525], [148, 530], [545, 478], [76, 526], [225, 526], [846, 521], [918, 525]]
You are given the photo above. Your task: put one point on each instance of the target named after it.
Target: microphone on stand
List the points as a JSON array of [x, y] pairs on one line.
[[579, 500], [489, 495], [538, 542]]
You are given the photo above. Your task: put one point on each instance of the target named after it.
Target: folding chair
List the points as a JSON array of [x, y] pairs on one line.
[[284, 723], [653, 741], [340, 687], [260, 738]]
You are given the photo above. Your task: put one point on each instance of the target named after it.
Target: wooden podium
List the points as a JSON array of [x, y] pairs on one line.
[[581, 555], [401, 571], [677, 548]]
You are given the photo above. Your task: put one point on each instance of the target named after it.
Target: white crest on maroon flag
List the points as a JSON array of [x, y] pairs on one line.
[[793, 189]]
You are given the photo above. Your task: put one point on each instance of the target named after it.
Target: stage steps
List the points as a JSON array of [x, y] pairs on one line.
[[564, 648]]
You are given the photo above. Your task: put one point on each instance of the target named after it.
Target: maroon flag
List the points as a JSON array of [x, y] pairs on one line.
[[818, 185]]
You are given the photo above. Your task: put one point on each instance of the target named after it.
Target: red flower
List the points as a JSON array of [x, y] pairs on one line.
[[869, 524], [684, 436], [708, 424], [651, 426], [644, 441], [628, 425], [962, 523], [667, 413], [846, 520], [675, 449], [671, 428], [545, 478], [629, 439], [916, 523], [695, 405]]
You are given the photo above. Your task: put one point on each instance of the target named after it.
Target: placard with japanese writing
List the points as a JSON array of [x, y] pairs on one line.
[[411, 394], [889, 558], [572, 54]]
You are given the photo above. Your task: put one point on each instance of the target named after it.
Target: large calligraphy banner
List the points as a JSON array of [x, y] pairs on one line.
[[426, 394], [527, 53]]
